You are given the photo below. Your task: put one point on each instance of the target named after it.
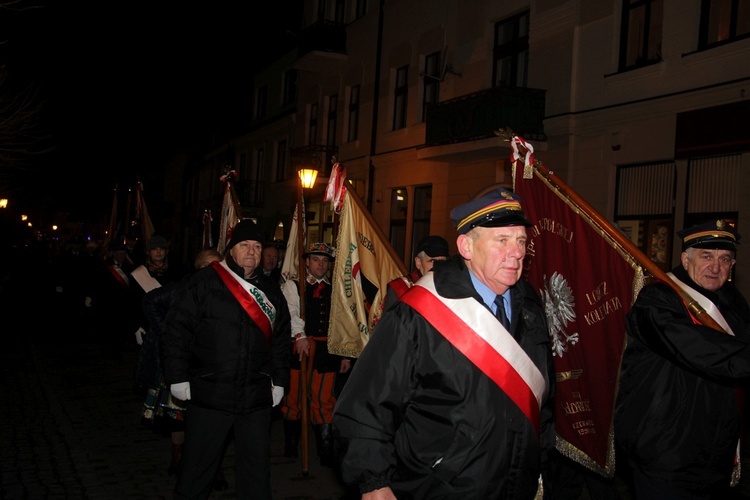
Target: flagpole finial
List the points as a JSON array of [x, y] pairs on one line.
[[228, 176]]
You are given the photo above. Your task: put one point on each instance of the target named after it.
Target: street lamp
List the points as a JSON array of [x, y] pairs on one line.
[[307, 176]]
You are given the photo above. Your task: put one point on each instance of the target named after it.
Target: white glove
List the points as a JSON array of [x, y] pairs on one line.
[[87, 302], [180, 391], [277, 393], [139, 333]]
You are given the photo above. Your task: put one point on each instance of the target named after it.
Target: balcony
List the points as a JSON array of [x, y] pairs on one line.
[[477, 116], [321, 43]]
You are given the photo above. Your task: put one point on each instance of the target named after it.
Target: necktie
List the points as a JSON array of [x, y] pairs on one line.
[[500, 312], [319, 289]]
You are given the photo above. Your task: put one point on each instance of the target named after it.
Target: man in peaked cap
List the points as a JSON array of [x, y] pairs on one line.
[[430, 249], [677, 417], [425, 412], [225, 351], [310, 338]]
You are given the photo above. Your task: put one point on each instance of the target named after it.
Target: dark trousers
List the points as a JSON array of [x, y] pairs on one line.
[[651, 489], [207, 433]]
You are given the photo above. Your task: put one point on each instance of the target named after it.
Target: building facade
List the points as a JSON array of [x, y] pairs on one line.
[[639, 106]]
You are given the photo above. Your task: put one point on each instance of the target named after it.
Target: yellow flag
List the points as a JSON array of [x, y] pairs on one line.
[[365, 263]]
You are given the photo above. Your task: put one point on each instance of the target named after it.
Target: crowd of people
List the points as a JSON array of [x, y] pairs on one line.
[[453, 396]]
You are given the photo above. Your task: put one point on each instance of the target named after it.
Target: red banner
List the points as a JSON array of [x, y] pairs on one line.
[[586, 281]]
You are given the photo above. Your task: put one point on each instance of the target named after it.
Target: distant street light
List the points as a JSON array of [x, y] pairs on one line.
[[3, 202]]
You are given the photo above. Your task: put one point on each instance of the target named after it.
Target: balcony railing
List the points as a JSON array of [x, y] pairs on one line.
[[479, 115], [323, 36]]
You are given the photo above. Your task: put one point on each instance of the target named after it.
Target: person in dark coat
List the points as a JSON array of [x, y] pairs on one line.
[[156, 271], [112, 300], [225, 351], [444, 401], [677, 417], [158, 408]]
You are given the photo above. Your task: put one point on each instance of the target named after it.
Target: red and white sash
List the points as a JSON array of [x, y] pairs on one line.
[[400, 285], [476, 332], [705, 303], [251, 298], [119, 275]]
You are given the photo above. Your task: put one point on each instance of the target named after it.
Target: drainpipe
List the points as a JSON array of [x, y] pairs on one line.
[[376, 106]]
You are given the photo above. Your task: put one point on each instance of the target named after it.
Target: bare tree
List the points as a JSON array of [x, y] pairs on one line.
[[22, 138]]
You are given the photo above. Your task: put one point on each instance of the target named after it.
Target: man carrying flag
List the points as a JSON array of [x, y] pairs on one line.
[[678, 416], [452, 397]]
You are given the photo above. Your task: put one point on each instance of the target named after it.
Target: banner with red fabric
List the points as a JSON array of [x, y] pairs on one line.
[[586, 281]]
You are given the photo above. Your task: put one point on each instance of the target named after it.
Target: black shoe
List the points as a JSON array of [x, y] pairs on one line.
[[174, 465], [292, 431], [324, 439], [220, 483]]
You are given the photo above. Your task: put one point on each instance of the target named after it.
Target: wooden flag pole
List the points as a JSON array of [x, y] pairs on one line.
[[302, 277]]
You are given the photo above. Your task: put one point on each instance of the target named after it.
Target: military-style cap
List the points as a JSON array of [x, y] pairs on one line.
[[433, 246], [320, 249], [498, 208], [717, 234]]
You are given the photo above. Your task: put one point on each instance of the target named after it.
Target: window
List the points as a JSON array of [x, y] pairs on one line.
[[353, 129], [281, 164], [321, 10], [401, 92], [250, 186], [339, 13], [410, 218], [511, 51], [645, 208], [640, 37], [289, 95], [361, 8], [432, 77], [333, 104], [256, 179], [421, 219], [399, 208], [312, 132], [261, 102], [723, 21]]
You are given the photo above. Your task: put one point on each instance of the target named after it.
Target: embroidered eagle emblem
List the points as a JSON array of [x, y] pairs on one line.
[[558, 301]]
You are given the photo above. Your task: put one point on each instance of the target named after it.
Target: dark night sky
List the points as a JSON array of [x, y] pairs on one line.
[[126, 86]]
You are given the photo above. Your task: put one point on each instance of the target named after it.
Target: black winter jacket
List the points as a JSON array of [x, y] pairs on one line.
[[210, 341], [418, 416], [677, 417]]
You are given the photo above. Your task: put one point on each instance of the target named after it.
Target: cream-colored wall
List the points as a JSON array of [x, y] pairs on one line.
[[596, 117]]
